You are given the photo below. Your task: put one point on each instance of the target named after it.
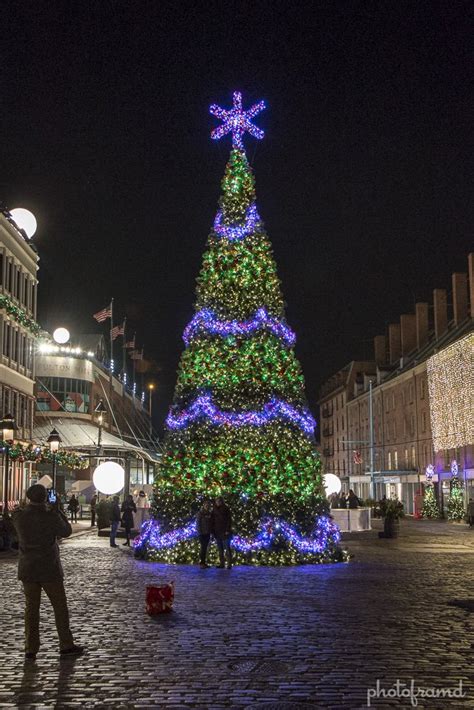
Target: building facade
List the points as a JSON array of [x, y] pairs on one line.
[[71, 383], [18, 332], [421, 387]]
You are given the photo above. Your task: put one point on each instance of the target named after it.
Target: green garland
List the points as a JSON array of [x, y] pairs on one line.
[[38, 454], [20, 315]]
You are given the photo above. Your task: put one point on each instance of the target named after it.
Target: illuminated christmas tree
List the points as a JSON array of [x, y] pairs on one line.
[[239, 424], [430, 504], [456, 496]]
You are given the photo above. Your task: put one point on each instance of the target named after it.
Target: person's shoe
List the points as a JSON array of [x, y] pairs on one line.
[[73, 651], [113, 545], [126, 544], [30, 656], [229, 566]]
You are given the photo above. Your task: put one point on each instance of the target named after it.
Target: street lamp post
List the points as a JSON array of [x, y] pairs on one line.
[[54, 441], [100, 411], [151, 387], [8, 428]]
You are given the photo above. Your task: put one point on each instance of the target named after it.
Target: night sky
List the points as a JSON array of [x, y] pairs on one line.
[[363, 178]]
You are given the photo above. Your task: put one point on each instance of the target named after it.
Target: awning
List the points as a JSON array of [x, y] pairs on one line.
[[79, 435]]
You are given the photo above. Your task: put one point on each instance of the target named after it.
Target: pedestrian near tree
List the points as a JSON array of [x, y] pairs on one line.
[[342, 500], [39, 568], [128, 509], [93, 505], [470, 512], [221, 526], [73, 507], [352, 500], [203, 525], [114, 520]]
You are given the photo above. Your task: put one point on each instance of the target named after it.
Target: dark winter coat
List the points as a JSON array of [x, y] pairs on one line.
[[204, 522], [38, 528], [73, 505], [221, 521], [115, 513], [128, 509], [353, 501]]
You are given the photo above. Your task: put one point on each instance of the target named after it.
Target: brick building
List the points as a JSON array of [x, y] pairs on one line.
[[18, 329], [422, 402]]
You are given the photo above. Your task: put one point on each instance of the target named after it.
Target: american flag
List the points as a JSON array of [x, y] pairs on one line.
[[102, 315], [137, 354], [130, 344], [357, 457], [116, 331]]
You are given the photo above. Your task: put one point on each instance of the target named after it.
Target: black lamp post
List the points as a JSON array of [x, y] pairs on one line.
[[54, 442], [100, 411], [8, 428]]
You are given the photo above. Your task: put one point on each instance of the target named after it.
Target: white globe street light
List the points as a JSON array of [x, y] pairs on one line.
[[109, 478], [25, 220], [61, 335], [331, 483]]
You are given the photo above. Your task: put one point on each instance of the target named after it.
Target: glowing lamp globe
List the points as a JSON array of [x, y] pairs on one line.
[[332, 484], [61, 336], [109, 478], [25, 220]]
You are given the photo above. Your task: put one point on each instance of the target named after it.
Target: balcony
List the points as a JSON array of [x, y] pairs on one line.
[[328, 431], [327, 412]]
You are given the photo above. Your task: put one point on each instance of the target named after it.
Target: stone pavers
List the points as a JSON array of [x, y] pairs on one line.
[[313, 637]]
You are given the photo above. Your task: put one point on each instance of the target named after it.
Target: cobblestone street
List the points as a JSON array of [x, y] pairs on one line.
[[315, 637]]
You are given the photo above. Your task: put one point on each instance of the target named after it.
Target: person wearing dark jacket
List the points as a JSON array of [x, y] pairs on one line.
[[221, 526], [203, 525], [39, 568], [114, 520], [352, 500], [93, 509], [128, 509], [73, 507]]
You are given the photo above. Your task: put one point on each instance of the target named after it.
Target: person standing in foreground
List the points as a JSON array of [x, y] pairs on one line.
[[221, 526], [114, 520], [203, 526], [39, 567]]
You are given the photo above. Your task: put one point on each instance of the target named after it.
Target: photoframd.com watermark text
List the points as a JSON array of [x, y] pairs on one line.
[[412, 692]]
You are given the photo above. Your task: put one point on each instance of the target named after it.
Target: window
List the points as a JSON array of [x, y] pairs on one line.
[[411, 392], [423, 421], [413, 456], [387, 406], [406, 461], [395, 459], [412, 425], [63, 394], [393, 400], [6, 338], [389, 460], [1, 269], [422, 389]]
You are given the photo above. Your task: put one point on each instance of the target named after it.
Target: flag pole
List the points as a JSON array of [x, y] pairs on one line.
[[111, 386], [124, 351]]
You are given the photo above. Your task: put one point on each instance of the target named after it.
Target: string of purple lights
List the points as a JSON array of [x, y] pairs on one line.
[[235, 232], [203, 407], [325, 533], [206, 321]]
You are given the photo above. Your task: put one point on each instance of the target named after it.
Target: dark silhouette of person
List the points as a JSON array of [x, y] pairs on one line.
[[39, 568]]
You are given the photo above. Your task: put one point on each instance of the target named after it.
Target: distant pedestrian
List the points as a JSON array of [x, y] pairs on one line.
[[39, 567], [128, 509], [114, 520], [335, 500], [352, 500], [203, 524], [142, 500], [470, 512], [73, 507], [93, 509], [221, 526], [342, 500]]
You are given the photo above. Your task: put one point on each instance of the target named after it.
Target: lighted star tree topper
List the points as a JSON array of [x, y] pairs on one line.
[[239, 425]]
